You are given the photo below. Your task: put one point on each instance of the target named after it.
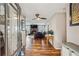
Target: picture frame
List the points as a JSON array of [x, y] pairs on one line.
[[74, 14]]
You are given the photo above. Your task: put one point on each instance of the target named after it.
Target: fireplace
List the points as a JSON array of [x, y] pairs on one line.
[[34, 29]]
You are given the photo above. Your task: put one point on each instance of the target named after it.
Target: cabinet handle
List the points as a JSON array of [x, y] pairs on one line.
[[72, 51], [67, 48]]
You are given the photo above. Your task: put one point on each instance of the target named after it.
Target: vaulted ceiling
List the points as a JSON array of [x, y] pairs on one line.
[[44, 9]]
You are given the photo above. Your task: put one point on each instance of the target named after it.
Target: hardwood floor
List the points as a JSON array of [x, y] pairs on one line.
[[40, 48], [2, 51]]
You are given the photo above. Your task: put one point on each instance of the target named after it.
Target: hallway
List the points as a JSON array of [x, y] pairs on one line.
[[40, 48], [45, 19]]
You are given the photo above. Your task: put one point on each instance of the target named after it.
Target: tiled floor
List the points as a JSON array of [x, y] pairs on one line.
[[40, 48]]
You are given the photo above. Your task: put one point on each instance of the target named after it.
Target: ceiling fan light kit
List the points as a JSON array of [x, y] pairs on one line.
[[38, 18]]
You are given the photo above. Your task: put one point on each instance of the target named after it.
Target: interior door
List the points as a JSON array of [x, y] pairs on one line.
[[13, 28]]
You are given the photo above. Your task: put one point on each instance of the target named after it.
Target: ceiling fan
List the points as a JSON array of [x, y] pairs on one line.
[[38, 17]]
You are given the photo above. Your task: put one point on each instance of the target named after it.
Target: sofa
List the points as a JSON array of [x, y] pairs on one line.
[[39, 35]]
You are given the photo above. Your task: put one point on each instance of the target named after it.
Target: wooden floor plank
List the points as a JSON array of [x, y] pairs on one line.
[[40, 48]]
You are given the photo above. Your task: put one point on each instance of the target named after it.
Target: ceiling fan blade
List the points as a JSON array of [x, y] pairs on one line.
[[38, 18], [43, 18]]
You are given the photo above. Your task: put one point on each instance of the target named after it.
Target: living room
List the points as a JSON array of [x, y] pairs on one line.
[[45, 29], [59, 23]]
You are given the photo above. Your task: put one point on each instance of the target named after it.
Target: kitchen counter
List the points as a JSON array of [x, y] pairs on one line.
[[73, 47]]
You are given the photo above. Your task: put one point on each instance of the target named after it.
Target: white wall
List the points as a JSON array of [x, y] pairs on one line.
[[57, 24], [23, 38], [27, 29], [72, 31]]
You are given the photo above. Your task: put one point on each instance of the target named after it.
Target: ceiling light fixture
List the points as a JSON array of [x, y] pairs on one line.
[[38, 18]]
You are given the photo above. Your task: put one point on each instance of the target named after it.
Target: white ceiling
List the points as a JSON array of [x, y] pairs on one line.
[[44, 9]]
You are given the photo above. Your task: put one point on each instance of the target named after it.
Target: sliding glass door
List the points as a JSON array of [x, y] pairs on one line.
[[10, 28], [2, 29], [13, 28]]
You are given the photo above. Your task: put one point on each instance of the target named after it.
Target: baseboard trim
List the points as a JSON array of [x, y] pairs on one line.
[[57, 48]]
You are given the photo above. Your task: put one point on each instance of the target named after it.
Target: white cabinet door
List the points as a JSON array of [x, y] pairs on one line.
[[65, 51], [73, 53]]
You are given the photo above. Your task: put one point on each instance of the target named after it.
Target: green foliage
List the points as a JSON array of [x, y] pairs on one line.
[[50, 32]]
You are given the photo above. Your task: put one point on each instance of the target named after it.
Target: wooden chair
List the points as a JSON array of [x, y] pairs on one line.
[[49, 37]]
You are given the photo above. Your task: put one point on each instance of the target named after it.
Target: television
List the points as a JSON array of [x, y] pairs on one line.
[[34, 26], [34, 29]]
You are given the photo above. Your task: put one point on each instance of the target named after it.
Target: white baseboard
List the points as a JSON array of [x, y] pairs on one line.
[[57, 48]]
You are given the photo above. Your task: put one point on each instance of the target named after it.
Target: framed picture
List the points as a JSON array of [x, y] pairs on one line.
[[74, 14]]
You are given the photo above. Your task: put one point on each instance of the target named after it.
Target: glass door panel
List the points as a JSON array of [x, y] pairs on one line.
[[10, 38], [2, 29], [12, 30]]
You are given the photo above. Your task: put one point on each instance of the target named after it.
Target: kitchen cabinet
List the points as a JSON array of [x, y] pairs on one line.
[[65, 51], [70, 49]]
